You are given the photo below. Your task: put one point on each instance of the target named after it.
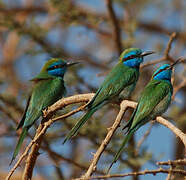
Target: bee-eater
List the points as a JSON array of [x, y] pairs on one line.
[[48, 87], [154, 101], [123, 77]]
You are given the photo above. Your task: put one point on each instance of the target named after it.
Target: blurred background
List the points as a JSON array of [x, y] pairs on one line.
[[94, 32]]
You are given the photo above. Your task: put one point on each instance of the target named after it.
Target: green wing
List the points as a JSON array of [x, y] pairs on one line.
[[152, 95], [44, 94], [24, 114], [120, 77]]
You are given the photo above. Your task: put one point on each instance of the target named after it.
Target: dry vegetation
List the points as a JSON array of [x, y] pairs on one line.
[[95, 33]]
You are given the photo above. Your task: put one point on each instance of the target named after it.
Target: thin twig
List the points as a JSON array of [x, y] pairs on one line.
[[175, 162], [166, 55], [111, 131], [59, 158], [116, 27], [32, 157], [84, 98], [153, 172], [167, 50], [173, 128], [59, 104], [123, 106], [177, 88], [169, 176]]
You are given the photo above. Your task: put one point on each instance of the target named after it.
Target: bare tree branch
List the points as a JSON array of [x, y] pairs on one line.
[[71, 100], [116, 27], [42, 129], [123, 107], [105, 142], [174, 129], [175, 162], [153, 172], [166, 53]]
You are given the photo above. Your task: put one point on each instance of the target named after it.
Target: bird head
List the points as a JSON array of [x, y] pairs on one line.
[[56, 67], [133, 57], [164, 72]]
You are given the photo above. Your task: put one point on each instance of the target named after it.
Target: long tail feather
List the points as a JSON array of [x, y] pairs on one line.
[[18, 146], [79, 124], [129, 123], [121, 149]]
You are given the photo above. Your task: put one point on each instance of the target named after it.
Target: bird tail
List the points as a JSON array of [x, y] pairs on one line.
[[18, 146], [79, 124], [128, 136]]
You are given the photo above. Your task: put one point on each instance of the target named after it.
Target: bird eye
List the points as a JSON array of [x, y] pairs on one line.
[[131, 56], [55, 67], [161, 71]]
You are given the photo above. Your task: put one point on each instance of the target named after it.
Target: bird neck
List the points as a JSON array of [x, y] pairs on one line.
[[43, 75], [132, 63], [57, 72]]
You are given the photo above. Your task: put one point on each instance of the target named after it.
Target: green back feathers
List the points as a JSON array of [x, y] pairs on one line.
[[48, 88]]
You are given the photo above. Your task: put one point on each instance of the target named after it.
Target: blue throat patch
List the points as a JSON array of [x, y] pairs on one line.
[[163, 74], [134, 62]]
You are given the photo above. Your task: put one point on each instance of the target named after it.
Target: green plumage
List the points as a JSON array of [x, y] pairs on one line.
[[154, 101], [48, 87], [111, 87], [123, 77]]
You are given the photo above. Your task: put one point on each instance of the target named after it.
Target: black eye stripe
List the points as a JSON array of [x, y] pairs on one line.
[[56, 67], [131, 57], [161, 71]]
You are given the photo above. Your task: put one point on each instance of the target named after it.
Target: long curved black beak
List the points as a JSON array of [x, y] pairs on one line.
[[72, 63], [146, 53], [176, 62]]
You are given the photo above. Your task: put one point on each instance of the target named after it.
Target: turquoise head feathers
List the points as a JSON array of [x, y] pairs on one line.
[[133, 57], [56, 67], [163, 73]]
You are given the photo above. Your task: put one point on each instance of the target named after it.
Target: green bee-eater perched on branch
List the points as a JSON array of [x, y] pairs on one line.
[[123, 77], [154, 101], [48, 87]]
